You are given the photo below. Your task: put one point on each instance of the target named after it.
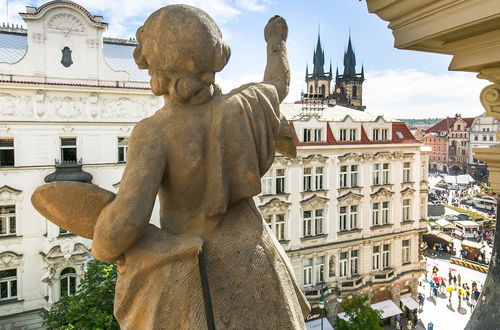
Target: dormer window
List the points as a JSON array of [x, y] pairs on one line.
[[380, 134], [348, 134], [313, 135]]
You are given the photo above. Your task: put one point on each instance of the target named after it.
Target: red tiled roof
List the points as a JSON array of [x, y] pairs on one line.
[[330, 139], [447, 123], [72, 84]]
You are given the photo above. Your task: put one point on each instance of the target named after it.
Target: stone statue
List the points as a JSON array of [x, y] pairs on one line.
[[203, 154]]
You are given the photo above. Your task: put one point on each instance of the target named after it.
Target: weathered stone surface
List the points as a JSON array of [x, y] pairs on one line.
[[203, 154]]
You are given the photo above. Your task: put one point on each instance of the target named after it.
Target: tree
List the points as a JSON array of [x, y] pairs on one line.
[[92, 305], [361, 316]]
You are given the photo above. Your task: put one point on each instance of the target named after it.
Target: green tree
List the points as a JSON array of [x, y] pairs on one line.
[[92, 305], [361, 316]]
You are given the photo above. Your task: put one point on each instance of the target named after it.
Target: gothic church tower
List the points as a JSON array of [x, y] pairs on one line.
[[318, 82]]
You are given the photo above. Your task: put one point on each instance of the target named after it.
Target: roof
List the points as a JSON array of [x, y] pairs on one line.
[[117, 52], [466, 223], [447, 123], [444, 223], [441, 235], [458, 179], [292, 111], [472, 244]]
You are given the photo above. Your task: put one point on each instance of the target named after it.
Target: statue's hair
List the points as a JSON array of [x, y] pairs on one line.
[[182, 48]]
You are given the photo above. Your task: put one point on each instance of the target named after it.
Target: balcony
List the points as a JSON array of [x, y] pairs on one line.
[[383, 275]]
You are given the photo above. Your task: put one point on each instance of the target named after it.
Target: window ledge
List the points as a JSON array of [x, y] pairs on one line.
[[347, 188], [406, 263], [284, 241], [387, 225], [306, 238], [350, 231], [274, 195], [314, 191], [10, 236], [10, 301], [407, 222], [375, 186]]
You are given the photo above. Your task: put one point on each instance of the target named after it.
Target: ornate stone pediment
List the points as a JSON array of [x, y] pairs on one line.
[[399, 155], [350, 198], [275, 205], [66, 250], [408, 155], [350, 157], [314, 159], [382, 193], [8, 193], [314, 202], [368, 156], [10, 259], [284, 161], [383, 156], [407, 192], [66, 23]]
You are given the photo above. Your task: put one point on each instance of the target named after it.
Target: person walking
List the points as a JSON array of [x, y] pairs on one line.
[[450, 277], [455, 280], [459, 279], [459, 298], [409, 325]]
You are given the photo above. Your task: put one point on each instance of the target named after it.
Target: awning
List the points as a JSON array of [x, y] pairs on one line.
[[316, 324], [441, 235], [387, 308], [409, 302]]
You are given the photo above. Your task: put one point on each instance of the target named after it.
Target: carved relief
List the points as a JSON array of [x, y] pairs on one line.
[[368, 156], [350, 198], [10, 259], [314, 202], [399, 155], [67, 107], [284, 161], [314, 159], [13, 105], [123, 107], [408, 155], [382, 193], [66, 23], [8, 194], [407, 192], [490, 99], [350, 157], [382, 156], [275, 205], [39, 37]]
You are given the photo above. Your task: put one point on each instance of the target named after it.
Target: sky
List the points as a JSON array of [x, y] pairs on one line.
[[399, 83]]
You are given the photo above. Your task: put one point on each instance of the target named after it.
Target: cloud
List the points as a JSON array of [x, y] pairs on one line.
[[124, 18], [415, 94]]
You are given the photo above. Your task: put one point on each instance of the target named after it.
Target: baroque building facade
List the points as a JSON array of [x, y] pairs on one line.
[[482, 135], [350, 209], [455, 131]]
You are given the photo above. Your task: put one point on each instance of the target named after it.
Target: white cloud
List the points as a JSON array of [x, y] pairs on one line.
[[416, 94], [124, 18]]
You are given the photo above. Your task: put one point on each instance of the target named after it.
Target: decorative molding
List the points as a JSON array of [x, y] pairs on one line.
[[490, 99], [314, 202], [123, 107], [9, 194], [314, 159], [383, 156], [273, 206], [39, 37], [407, 192], [68, 130], [15, 105], [92, 43], [368, 156], [382, 193], [399, 155], [409, 155], [67, 249], [350, 156], [350, 198], [284, 161], [10, 259], [66, 23], [67, 107]]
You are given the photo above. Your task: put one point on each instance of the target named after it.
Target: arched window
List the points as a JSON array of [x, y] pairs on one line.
[[354, 92], [68, 282]]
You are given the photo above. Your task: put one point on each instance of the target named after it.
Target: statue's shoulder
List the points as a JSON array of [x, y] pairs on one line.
[[251, 89]]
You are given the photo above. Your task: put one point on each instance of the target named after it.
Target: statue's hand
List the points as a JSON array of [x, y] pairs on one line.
[[276, 30]]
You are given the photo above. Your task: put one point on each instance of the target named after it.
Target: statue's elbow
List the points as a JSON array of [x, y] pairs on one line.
[[103, 253]]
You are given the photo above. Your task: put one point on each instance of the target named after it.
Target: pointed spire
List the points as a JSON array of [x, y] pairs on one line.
[[330, 71], [362, 71], [337, 73], [319, 58], [307, 70], [349, 59]]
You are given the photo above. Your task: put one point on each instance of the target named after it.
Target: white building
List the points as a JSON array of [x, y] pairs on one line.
[[66, 94], [482, 134], [350, 209]]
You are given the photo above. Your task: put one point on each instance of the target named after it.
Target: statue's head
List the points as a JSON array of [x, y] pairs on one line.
[[182, 48]]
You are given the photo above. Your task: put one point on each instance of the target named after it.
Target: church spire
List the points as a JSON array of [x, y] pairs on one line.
[[319, 59], [307, 70], [349, 60]]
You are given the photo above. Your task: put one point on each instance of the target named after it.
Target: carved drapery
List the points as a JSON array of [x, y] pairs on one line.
[[407, 192], [382, 194], [381, 156], [350, 157]]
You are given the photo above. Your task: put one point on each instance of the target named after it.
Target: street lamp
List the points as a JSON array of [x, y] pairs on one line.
[[321, 304]]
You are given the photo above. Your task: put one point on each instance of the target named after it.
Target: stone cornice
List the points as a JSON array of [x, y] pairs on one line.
[[350, 157], [274, 205], [314, 202], [350, 198]]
